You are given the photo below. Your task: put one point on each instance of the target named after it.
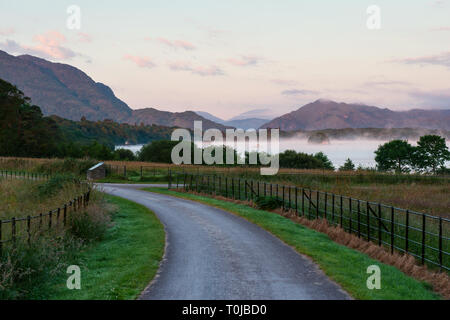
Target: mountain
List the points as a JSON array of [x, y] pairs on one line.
[[209, 116], [266, 114], [184, 119], [325, 114], [245, 123], [250, 123], [60, 89], [65, 91]]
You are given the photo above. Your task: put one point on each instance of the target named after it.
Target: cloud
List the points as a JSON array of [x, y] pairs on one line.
[[48, 46], [441, 29], [199, 70], [283, 82], [294, 92], [7, 32], [176, 44], [442, 59], [84, 37], [385, 83], [433, 99], [244, 61], [142, 62]]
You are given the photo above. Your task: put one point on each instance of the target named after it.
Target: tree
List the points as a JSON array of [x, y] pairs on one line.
[[431, 153], [299, 160], [124, 155], [395, 155], [348, 166], [327, 164]]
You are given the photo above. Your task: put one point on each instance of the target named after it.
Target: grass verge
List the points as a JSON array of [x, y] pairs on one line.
[[346, 266], [124, 262]]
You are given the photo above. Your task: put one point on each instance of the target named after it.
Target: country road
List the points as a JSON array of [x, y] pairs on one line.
[[212, 254]]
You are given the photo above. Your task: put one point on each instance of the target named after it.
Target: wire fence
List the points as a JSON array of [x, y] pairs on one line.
[[16, 228], [24, 227], [9, 175], [423, 236]]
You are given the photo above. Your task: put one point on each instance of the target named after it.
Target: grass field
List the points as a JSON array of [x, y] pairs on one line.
[[344, 265], [124, 262]]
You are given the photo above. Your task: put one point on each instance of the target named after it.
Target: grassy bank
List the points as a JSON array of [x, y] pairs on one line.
[[125, 261], [344, 265]]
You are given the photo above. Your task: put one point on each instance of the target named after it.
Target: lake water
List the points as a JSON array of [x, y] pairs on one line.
[[361, 152]]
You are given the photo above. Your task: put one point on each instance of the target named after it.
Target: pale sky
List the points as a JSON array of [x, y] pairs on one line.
[[228, 57]]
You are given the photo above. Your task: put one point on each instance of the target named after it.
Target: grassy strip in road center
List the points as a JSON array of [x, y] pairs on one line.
[[346, 266], [125, 261]]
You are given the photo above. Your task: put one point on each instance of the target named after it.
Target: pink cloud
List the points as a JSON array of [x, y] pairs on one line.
[[177, 44], [199, 70], [49, 46], [244, 61], [142, 62], [84, 37], [7, 32]]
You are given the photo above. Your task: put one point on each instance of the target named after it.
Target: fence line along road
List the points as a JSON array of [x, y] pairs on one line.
[[421, 235], [24, 227], [23, 175]]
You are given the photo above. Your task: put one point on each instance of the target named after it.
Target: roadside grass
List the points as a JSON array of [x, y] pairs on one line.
[[346, 266], [124, 262]]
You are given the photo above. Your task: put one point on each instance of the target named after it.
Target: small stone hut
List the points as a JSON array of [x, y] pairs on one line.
[[97, 172]]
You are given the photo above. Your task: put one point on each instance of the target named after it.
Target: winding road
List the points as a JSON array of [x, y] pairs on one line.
[[212, 254]]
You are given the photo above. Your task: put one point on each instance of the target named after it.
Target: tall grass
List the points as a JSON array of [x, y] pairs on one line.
[[29, 265]]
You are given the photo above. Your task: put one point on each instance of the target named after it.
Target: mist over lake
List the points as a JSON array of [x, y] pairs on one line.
[[360, 151]]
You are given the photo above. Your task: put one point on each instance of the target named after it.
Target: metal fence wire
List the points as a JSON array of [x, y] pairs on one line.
[[15, 228], [421, 235]]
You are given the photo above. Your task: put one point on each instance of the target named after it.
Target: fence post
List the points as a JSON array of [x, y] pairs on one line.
[[245, 189], [342, 212], [326, 205], [379, 225], [29, 229], [13, 229], [310, 204], [141, 173], [232, 189], [423, 238], [58, 212], [368, 220], [226, 187], [289, 193], [359, 219], [392, 229], [407, 231], [440, 242], [170, 179], [1, 243], [332, 207], [303, 202], [296, 200], [239, 188], [317, 203], [50, 219], [64, 214], [283, 197], [350, 209]]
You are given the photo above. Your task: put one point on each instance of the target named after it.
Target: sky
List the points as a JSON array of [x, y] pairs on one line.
[[229, 57]]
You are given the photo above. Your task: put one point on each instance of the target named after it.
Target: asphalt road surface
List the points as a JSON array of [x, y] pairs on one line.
[[212, 254]]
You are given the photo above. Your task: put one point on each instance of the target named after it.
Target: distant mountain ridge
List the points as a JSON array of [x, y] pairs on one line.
[[236, 122], [324, 114], [65, 91]]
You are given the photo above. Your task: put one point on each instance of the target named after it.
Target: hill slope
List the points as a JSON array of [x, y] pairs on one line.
[[323, 114], [60, 89], [67, 92]]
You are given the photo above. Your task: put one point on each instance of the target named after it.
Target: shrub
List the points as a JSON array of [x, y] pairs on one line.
[[268, 203], [56, 183]]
